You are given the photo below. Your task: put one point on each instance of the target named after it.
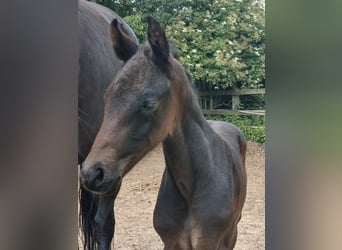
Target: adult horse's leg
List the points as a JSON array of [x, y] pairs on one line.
[[88, 208], [105, 221], [97, 220]]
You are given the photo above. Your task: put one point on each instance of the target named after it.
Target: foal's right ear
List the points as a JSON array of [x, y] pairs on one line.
[[123, 44]]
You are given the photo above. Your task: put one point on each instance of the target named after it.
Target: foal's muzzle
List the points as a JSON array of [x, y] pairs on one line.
[[97, 179]]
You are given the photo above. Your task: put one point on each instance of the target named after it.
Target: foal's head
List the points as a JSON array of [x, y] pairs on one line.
[[142, 107]]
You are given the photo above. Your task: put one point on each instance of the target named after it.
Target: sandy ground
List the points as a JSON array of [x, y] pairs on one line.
[[135, 203]]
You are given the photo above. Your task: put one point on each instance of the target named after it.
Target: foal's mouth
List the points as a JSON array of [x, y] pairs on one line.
[[101, 179], [109, 176], [110, 187]]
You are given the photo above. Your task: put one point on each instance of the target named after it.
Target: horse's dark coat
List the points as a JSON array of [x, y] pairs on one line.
[[151, 100], [98, 66]]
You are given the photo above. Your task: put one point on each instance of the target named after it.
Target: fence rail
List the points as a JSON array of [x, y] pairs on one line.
[[237, 92], [235, 95]]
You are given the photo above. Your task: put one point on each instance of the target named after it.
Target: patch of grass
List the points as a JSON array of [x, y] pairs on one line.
[[252, 126]]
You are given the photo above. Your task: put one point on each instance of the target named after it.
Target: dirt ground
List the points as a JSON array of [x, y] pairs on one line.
[[135, 203]]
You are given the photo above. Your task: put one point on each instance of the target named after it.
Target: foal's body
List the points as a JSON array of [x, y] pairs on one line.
[[151, 100], [203, 186]]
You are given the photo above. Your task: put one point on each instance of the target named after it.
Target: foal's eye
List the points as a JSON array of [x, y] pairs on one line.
[[149, 105]]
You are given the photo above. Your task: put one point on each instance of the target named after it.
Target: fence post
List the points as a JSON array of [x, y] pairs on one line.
[[235, 100]]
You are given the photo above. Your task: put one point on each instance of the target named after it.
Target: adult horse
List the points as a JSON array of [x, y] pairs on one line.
[[98, 65], [151, 100]]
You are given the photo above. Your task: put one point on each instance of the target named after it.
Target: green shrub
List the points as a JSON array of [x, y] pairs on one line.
[[252, 126]]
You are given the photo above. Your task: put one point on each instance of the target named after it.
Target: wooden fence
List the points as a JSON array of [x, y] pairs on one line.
[[207, 101]]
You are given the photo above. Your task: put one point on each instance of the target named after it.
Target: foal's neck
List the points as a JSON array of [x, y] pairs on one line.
[[188, 149]]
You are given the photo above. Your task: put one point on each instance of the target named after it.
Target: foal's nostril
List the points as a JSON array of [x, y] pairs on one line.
[[99, 174], [93, 176]]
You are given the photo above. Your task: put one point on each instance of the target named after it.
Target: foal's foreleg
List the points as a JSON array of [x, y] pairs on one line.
[[170, 213], [105, 222], [212, 242], [213, 232]]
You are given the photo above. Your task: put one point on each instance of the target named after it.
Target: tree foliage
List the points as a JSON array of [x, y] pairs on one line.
[[222, 43], [121, 7]]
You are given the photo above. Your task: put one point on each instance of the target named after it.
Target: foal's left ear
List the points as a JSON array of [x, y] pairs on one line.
[[157, 39]]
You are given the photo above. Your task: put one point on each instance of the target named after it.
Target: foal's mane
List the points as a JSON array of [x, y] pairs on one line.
[[174, 53]]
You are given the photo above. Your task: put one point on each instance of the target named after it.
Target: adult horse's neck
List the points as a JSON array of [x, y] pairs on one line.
[[189, 149]]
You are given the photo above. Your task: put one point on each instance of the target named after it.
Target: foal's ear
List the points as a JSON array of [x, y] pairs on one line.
[[157, 39], [124, 46]]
